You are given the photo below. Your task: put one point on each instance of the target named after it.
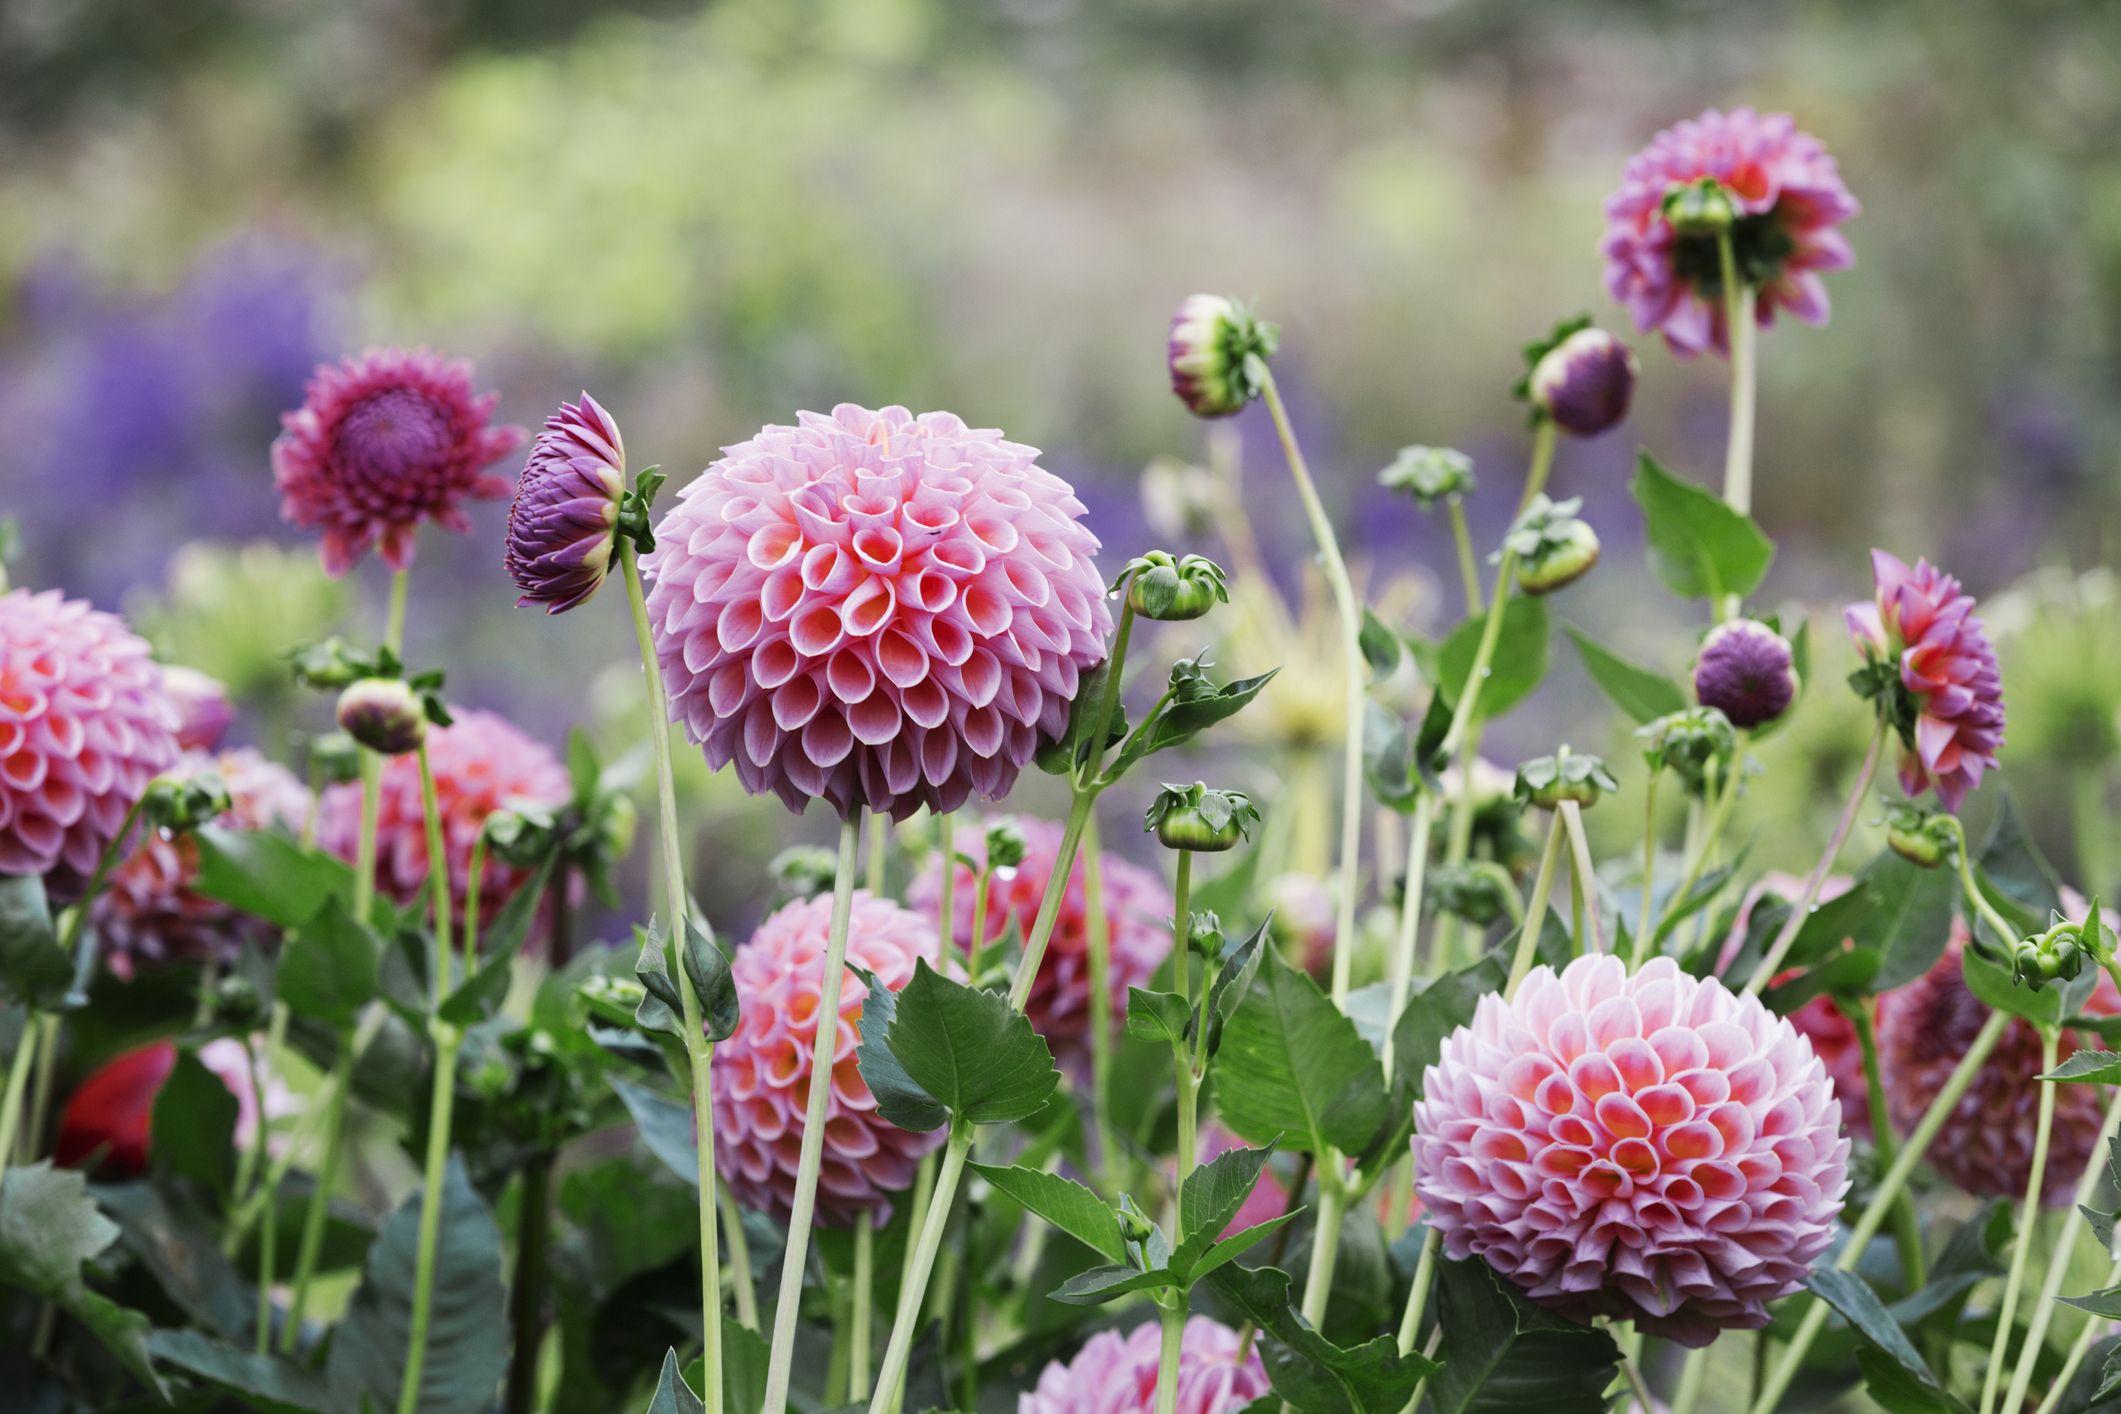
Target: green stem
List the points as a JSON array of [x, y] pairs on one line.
[[1418, 1294], [1646, 920], [268, 1242], [1049, 906], [1907, 1231], [1738, 448], [17, 1082], [747, 1298], [394, 622], [2058, 1264], [433, 1178], [1535, 912], [2005, 933], [893, 1371], [879, 853], [976, 955], [1585, 874], [1100, 940], [1173, 1317], [1772, 963], [45, 1067], [1693, 1374], [1703, 832], [1325, 1241], [860, 1320], [1468, 563], [527, 1288], [1182, 978], [1889, 1188], [2028, 1218], [1401, 971], [311, 1245]]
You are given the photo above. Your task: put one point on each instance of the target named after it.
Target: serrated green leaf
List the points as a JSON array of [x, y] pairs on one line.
[[33, 967], [898, 1098], [1062, 1202], [969, 1049], [1699, 546], [1520, 660], [1101, 1284], [1310, 1372], [1642, 694], [1228, 1249], [49, 1229], [1211, 1195], [1293, 1068], [1179, 722], [1503, 1355], [1158, 1016], [2097, 1067], [1852, 1296], [329, 966]]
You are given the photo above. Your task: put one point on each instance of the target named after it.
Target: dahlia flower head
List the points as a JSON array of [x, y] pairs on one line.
[[1654, 1148], [1138, 908], [482, 763], [1789, 203], [562, 526], [149, 911], [1825, 1025], [1921, 622], [876, 609], [1986, 1144], [384, 441], [761, 1086], [85, 724], [1116, 1374]]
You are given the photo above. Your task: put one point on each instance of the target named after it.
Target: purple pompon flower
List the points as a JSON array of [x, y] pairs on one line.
[[562, 525], [1951, 723], [1786, 203], [1585, 382], [1747, 672], [382, 442]]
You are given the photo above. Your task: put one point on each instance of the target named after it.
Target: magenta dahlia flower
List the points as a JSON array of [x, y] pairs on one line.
[[1921, 624], [1138, 910], [1986, 1145], [1655, 1148], [85, 724], [876, 609], [1787, 201], [383, 441], [562, 526], [481, 764], [204, 713], [762, 1072], [150, 913], [1116, 1374]]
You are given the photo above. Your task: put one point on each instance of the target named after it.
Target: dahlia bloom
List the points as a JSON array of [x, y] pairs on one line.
[[1920, 622], [562, 525], [1746, 671], [204, 713], [1789, 204], [1584, 382], [150, 913], [1116, 1374], [876, 609], [85, 724], [481, 764], [1654, 1148], [109, 1118], [1986, 1145], [761, 1084], [383, 441], [1138, 910]]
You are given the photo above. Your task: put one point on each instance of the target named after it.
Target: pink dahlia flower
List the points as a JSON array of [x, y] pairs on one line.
[[1654, 1148], [1116, 1374], [204, 713], [150, 913], [563, 524], [383, 441], [85, 724], [481, 764], [762, 1072], [876, 609], [1138, 910], [1922, 623], [1986, 1145], [1789, 203]]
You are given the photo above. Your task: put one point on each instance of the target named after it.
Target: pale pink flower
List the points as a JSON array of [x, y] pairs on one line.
[[1116, 1374]]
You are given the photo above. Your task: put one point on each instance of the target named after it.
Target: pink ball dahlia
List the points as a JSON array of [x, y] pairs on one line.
[[762, 1072], [85, 724], [482, 763], [1986, 1145], [1788, 204], [1920, 623], [1138, 909], [1116, 1374], [149, 912], [1654, 1148], [562, 526], [383, 441], [876, 609]]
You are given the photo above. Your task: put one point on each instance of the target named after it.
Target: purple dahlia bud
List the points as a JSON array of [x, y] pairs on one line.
[[563, 526], [383, 714], [1585, 382], [1745, 672], [1218, 354]]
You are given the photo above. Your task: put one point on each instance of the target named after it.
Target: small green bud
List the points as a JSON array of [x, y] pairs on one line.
[[1134, 1224], [1204, 934], [384, 714], [1554, 549], [1198, 819], [1429, 475], [1688, 743], [336, 758], [1005, 844], [2060, 953], [521, 836], [179, 803], [1170, 590], [1702, 207], [612, 1000], [1920, 836], [330, 665], [237, 1004], [1547, 781]]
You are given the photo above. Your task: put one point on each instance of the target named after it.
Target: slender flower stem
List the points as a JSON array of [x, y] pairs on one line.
[[1772, 963], [1099, 928], [17, 1082], [781, 1364], [1173, 1318], [527, 1286], [1468, 562], [1646, 920], [699, 1051], [1325, 1239], [1049, 906], [1907, 1231], [976, 954], [747, 1297], [311, 1244], [1889, 1189], [893, 1371], [1585, 874], [2058, 1265], [1418, 1294], [1182, 977], [1535, 912], [1401, 969], [1738, 319], [859, 1320], [1693, 1374], [2028, 1218], [1978, 900], [1355, 671]]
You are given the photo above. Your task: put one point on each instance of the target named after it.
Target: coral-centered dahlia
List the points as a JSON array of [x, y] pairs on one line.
[[1950, 691], [876, 609], [1654, 1148], [1788, 202], [562, 525], [1116, 1374], [762, 1072], [85, 724], [1137, 918], [383, 441]]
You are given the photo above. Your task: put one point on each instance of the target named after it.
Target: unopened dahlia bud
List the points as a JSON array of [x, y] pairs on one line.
[[335, 757], [1429, 475], [1702, 207], [1554, 549], [1204, 934], [1747, 672], [1478, 891], [1170, 590], [1134, 1224], [1922, 837], [237, 1005], [182, 801], [1585, 382], [1198, 819], [383, 714], [1218, 354], [1689, 743], [562, 526], [520, 836], [329, 665], [204, 712], [1006, 845], [2054, 956], [1547, 781]]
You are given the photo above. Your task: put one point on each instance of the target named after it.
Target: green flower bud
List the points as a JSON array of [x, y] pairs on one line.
[[1429, 475], [1547, 781], [1204, 934], [1553, 548], [179, 803], [330, 665], [336, 758], [1688, 743], [1920, 836], [611, 1000], [237, 1004], [1702, 207], [1134, 1224], [1005, 844], [383, 714], [1198, 819], [1174, 590], [2060, 953], [1218, 354], [522, 836]]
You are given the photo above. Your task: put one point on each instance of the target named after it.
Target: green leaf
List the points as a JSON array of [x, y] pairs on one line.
[[1158, 1016], [503, 938], [744, 1359], [583, 769], [2105, 1303], [1388, 760], [672, 1394], [1852, 1296], [1643, 695], [49, 1229], [1312, 1373], [1699, 546], [1240, 964], [265, 1382], [268, 875], [707, 968], [1503, 1354], [1181, 721], [665, 1126], [1519, 663], [329, 966], [193, 1127], [1229, 1249], [1897, 914], [662, 1009], [467, 1331], [969, 1049], [1064, 1203], [1063, 756], [1101, 1284], [33, 967], [1382, 648], [1441, 1006], [1294, 1068], [898, 1098], [178, 1247], [2024, 884], [1211, 1195], [1993, 984], [2098, 1067]]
